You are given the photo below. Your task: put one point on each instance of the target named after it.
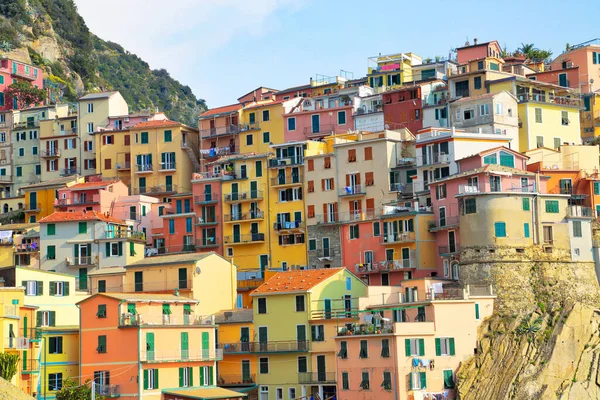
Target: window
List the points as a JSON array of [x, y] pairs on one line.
[[499, 108], [327, 184], [484, 109], [526, 230], [348, 283], [265, 115], [477, 82], [538, 115], [418, 380], [440, 192], [302, 364], [21, 152], [186, 377], [300, 303], [90, 127], [376, 228], [291, 124], [258, 169], [552, 206], [101, 311], [51, 252], [385, 348], [101, 344], [83, 227], [279, 394], [448, 379], [50, 229], [354, 233], [171, 226], [263, 365], [167, 136], [144, 137], [343, 353], [189, 225], [414, 347], [317, 333], [364, 349], [557, 142], [444, 347], [341, 117], [266, 137], [59, 288], [345, 381], [55, 381], [291, 393], [470, 206], [151, 378], [364, 383], [352, 155], [55, 345], [312, 244], [469, 114], [34, 150], [526, 206], [262, 305], [90, 107], [500, 229], [249, 140], [101, 286], [564, 117], [577, 232]]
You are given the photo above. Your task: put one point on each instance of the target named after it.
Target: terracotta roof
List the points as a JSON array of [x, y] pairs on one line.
[[156, 124], [54, 182], [205, 393], [92, 185], [264, 104], [487, 168], [145, 297], [221, 110], [80, 216], [493, 149], [295, 281]]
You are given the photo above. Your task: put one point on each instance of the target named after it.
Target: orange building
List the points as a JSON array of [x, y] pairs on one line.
[[135, 345]]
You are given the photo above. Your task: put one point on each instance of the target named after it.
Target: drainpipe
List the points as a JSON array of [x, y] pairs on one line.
[[339, 203]]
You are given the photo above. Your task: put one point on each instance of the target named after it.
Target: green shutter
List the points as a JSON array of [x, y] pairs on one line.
[[210, 376], [526, 204], [180, 377], [120, 248], [452, 350], [500, 229], [190, 376], [51, 252], [407, 347], [83, 227], [145, 379], [438, 347], [423, 377], [526, 229], [597, 188], [131, 249], [38, 318], [201, 376], [421, 347], [410, 380], [25, 361], [50, 229], [65, 288], [52, 288], [52, 315], [107, 245], [476, 311], [156, 378], [40, 288]]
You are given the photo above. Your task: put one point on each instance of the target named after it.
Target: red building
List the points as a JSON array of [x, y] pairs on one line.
[[11, 71], [403, 108]]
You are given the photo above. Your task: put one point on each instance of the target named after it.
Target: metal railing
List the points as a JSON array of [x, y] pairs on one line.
[[179, 355], [580, 212], [287, 180], [74, 261], [50, 153], [207, 242], [143, 168], [155, 189], [265, 347], [229, 129], [124, 234], [242, 239], [167, 166], [325, 129], [252, 195], [286, 226], [400, 237], [445, 222], [208, 220], [435, 159], [406, 161], [244, 216], [27, 248], [238, 379], [107, 390], [285, 161], [388, 265], [127, 319], [467, 189], [250, 126], [316, 377], [124, 165], [206, 198], [447, 250], [16, 343], [33, 207], [69, 171], [352, 190], [543, 98]]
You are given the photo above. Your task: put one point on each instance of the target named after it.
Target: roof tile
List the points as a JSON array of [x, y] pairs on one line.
[[221, 110], [296, 281], [80, 216]]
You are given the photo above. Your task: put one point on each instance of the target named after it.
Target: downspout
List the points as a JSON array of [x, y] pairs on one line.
[[395, 372], [339, 206], [233, 291], [269, 265]]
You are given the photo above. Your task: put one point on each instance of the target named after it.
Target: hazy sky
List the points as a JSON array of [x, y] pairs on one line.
[[225, 48]]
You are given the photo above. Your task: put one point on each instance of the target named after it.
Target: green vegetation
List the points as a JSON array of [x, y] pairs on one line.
[[73, 391], [26, 94], [533, 53], [8, 365], [101, 65]]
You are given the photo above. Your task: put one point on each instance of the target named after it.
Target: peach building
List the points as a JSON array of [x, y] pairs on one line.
[[404, 341], [586, 56], [95, 195]]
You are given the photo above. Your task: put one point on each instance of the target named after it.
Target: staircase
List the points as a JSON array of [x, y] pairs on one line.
[[191, 148]]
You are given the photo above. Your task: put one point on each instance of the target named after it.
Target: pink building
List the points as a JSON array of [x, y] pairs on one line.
[[97, 196], [219, 132], [142, 211], [317, 117], [477, 50], [10, 71], [586, 56], [124, 122]]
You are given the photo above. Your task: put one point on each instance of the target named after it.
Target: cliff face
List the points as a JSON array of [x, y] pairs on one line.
[[542, 342], [52, 35]]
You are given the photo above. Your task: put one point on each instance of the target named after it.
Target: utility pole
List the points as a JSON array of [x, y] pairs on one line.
[[93, 390]]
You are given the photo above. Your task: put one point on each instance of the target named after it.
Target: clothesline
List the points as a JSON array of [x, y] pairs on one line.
[[216, 151]]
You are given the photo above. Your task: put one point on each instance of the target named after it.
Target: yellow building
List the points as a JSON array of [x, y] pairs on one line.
[[60, 147], [113, 152], [391, 71], [548, 114], [163, 156], [40, 197], [16, 245], [590, 116], [262, 125], [59, 358], [292, 361]]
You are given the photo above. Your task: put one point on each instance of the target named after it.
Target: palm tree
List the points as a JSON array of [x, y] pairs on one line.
[[527, 49]]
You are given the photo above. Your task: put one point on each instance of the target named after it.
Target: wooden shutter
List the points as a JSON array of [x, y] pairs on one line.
[[311, 186], [210, 376], [335, 212], [127, 140], [322, 185], [358, 179], [359, 208], [311, 165], [370, 204], [52, 315], [351, 207], [325, 213], [368, 153], [347, 179], [311, 211], [201, 376], [40, 288], [107, 163], [180, 377], [327, 162], [369, 179], [351, 155], [421, 347], [452, 349], [74, 143], [145, 379], [190, 377]]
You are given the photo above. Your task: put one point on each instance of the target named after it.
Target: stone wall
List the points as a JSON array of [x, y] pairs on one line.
[[8, 391], [333, 233]]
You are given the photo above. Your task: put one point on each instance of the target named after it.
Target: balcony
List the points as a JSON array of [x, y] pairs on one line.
[[125, 234], [124, 166], [251, 126], [219, 131], [579, 212], [406, 162], [290, 346], [244, 239], [27, 248], [402, 237], [156, 190], [286, 227], [207, 220], [236, 380], [27, 125], [51, 153], [107, 391], [207, 198], [244, 196], [69, 171], [551, 99], [6, 178], [435, 160], [207, 242], [181, 355], [405, 264], [79, 200], [144, 169], [320, 130], [285, 161], [287, 180], [448, 250], [470, 189], [356, 190], [127, 319], [316, 378], [16, 343], [81, 261], [444, 223], [167, 167], [35, 207], [247, 216], [30, 366], [234, 175]]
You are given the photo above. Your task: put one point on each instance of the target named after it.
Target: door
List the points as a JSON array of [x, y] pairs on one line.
[[246, 378], [263, 338], [451, 241], [169, 183], [321, 370], [524, 185], [150, 346], [281, 177], [326, 251], [295, 175], [243, 172], [83, 279], [184, 346], [315, 119], [234, 191], [254, 231], [406, 257], [385, 279], [139, 281], [208, 193], [245, 338], [348, 305], [254, 190], [495, 184], [263, 260], [327, 308], [301, 337], [205, 345], [442, 212], [142, 185], [236, 234], [33, 201]]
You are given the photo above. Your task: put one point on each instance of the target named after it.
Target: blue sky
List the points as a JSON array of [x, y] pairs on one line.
[[223, 49]]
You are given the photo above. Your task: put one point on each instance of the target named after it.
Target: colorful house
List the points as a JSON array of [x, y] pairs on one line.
[[219, 132], [585, 56], [478, 50], [11, 71], [41, 197], [388, 72], [96, 195], [590, 116], [20, 245], [139, 211], [287, 363], [206, 189], [262, 125], [403, 108], [60, 146]]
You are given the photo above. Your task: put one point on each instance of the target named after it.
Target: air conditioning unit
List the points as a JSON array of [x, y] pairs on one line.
[[126, 119]]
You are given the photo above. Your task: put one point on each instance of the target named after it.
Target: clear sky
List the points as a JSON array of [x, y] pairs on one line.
[[225, 48]]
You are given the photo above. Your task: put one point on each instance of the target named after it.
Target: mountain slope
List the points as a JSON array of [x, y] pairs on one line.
[[52, 35]]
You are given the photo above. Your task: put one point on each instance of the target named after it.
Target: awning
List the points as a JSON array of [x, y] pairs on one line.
[[204, 393]]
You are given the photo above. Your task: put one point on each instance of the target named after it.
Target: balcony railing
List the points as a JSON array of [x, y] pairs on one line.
[[124, 165], [288, 226], [27, 248], [401, 237], [50, 153], [143, 168], [284, 161], [125, 234], [446, 222], [207, 242], [319, 130], [406, 161], [251, 126], [287, 180], [265, 347], [448, 250], [244, 239], [181, 355], [167, 166], [579, 212], [468, 189], [219, 131], [244, 216], [355, 190], [242, 196], [30, 366], [27, 125], [435, 159], [107, 390], [207, 220], [238, 379], [388, 265], [16, 343], [206, 198], [316, 377], [158, 189], [33, 207], [77, 261], [543, 98], [69, 171], [127, 319]]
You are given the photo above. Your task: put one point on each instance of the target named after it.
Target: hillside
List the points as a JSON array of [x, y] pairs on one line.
[[52, 35]]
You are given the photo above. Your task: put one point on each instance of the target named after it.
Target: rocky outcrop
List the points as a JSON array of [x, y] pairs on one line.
[[8, 391]]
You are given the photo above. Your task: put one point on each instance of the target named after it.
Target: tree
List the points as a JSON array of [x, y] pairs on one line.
[[26, 94], [533, 53], [73, 391], [8, 365]]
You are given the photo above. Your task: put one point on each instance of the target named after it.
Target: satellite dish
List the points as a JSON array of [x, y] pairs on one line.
[[197, 271]]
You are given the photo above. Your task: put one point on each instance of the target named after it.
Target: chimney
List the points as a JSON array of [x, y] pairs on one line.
[[474, 41]]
